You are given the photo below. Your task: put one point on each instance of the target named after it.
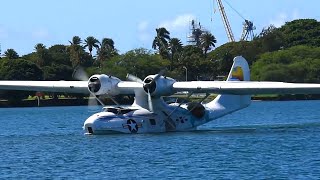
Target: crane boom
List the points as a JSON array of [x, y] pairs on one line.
[[225, 22]]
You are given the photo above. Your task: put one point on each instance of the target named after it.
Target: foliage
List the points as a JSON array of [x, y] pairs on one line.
[[197, 65], [76, 40], [207, 41], [18, 69], [11, 54], [296, 64], [57, 72], [106, 50], [223, 55], [270, 39], [139, 62], [42, 55], [59, 54], [91, 42], [161, 42], [301, 32], [175, 46]]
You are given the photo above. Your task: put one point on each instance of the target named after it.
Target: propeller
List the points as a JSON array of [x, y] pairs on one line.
[[150, 102], [94, 85], [149, 85], [80, 74], [133, 78]]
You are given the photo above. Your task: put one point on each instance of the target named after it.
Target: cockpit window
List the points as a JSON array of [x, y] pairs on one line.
[[118, 110]]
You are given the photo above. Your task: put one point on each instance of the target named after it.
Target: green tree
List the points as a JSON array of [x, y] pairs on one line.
[[42, 54], [140, 62], [18, 69], [57, 72], [207, 41], [76, 40], [160, 42], [11, 54], [270, 39], [175, 46], [59, 54], [91, 43], [223, 55], [78, 56], [296, 64], [198, 67], [301, 32], [106, 50]]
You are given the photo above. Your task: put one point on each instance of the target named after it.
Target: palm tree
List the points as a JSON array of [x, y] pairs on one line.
[[39, 47], [11, 54], [76, 40], [160, 41], [91, 42], [106, 50], [207, 41], [75, 50], [175, 47], [107, 42], [41, 53]]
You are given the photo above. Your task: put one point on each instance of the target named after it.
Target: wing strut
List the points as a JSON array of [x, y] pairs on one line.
[[204, 98]]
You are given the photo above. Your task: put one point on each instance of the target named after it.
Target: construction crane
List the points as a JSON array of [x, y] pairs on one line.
[[247, 25], [247, 31], [225, 21]]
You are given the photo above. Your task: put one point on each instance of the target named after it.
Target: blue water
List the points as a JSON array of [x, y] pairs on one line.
[[268, 140]]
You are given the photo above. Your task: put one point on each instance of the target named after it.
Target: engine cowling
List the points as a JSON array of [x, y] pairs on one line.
[[103, 84], [162, 86]]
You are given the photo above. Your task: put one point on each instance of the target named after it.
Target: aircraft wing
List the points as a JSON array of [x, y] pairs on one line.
[[128, 87], [246, 87], [46, 86], [124, 87]]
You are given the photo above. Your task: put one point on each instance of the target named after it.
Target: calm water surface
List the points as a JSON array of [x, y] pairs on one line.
[[274, 140]]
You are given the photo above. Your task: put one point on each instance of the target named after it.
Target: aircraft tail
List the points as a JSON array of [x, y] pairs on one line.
[[225, 104]]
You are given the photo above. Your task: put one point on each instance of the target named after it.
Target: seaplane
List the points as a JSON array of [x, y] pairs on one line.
[[149, 113]]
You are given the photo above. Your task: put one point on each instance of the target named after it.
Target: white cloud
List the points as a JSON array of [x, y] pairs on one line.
[[180, 22], [143, 25], [40, 33], [177, 27], [282, 18]]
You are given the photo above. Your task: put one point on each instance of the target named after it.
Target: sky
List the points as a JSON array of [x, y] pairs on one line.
[[132, 24]]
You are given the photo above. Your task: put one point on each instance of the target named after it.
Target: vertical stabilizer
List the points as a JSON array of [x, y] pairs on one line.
[[226, 104]]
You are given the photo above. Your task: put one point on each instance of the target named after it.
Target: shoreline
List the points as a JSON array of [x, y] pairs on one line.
[[84, 102]]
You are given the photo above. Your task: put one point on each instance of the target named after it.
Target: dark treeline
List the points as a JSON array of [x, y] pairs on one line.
[[290, 53]]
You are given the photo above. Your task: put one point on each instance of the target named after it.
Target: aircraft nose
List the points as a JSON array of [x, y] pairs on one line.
[[88, 126]]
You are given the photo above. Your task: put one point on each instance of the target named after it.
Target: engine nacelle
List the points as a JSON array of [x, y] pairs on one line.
[[162, 86], [103, 84]]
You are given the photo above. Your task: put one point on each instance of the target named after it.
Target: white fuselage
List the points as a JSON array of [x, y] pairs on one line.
[[165, 118]]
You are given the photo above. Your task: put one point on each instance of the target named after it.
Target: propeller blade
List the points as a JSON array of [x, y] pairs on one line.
[[134, 78], [92, 100], [93, 105], [112, 99], [150, 101], [80, 74], [161, 73]]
